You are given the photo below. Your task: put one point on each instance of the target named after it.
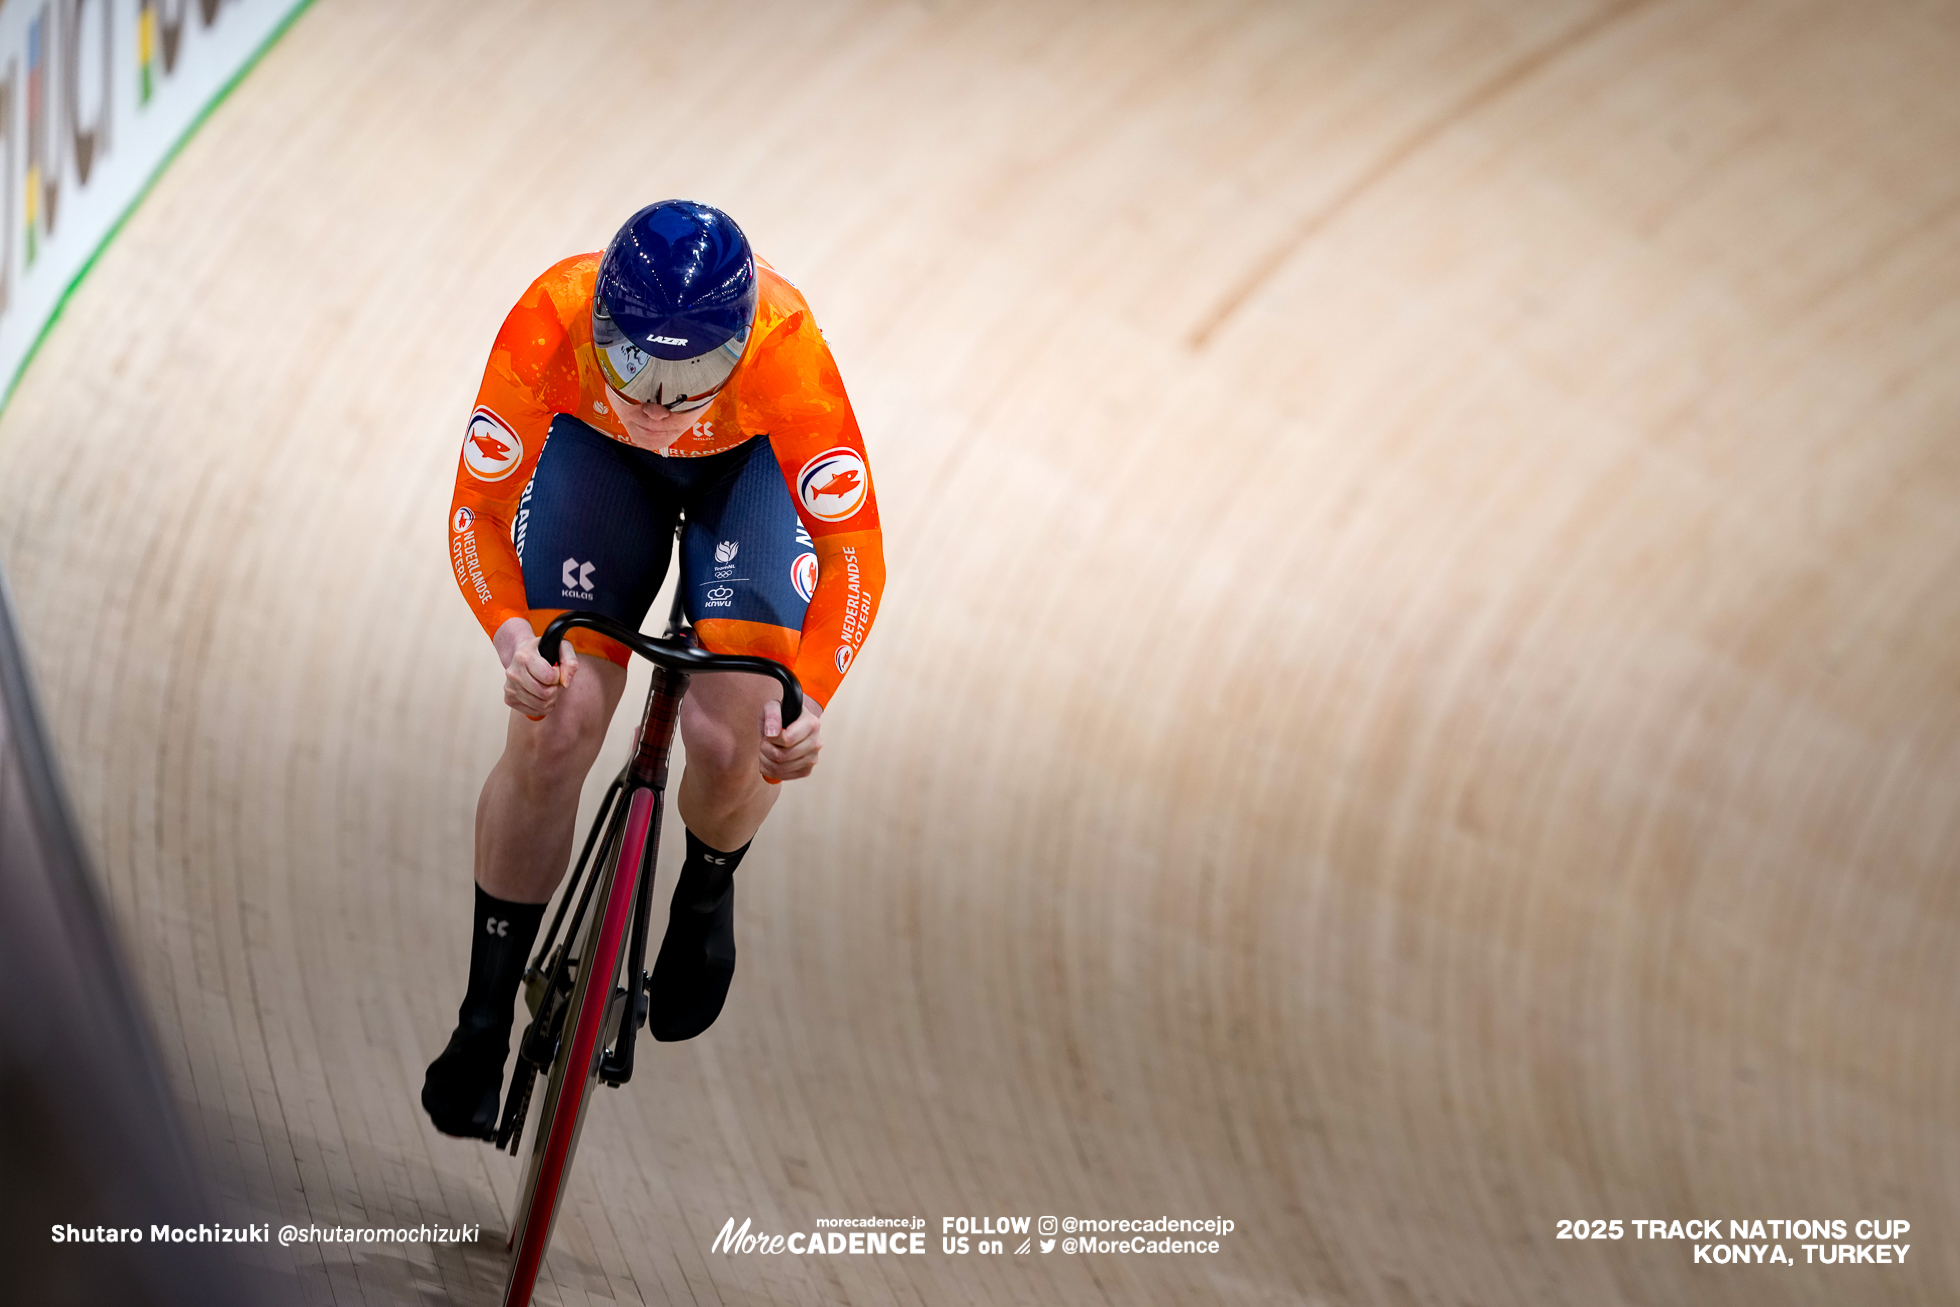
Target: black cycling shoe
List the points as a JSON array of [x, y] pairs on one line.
[[463, 1088], [460, 1091], [697, 957]]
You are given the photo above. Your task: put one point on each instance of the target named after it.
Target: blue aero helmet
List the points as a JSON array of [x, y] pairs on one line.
[[673, 305]]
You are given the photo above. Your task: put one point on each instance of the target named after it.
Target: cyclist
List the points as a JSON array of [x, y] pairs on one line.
[[674, 371]]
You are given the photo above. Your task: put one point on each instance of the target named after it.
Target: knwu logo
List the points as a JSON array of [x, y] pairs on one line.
[[577, 577]]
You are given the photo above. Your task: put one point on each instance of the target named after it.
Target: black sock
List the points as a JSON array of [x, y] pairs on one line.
[[704, 875], [460, 1090], [499, 949], [696, 962]]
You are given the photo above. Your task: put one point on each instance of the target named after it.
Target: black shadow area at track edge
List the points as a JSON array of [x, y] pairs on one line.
[[90, 1137]]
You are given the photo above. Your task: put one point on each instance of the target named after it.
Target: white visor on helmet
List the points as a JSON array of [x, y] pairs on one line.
[[679, 385]]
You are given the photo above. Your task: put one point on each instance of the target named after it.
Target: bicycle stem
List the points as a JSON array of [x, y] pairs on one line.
[[677, 654]]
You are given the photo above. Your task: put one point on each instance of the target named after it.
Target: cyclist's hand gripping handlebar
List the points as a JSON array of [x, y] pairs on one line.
[[675, 655]]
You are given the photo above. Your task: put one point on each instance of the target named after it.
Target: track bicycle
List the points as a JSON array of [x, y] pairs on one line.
[[583, 1020]]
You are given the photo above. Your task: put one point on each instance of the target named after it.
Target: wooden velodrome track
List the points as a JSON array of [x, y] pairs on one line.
[[1417, 696]]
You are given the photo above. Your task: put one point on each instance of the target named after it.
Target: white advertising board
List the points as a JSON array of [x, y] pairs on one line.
[[95, 96]]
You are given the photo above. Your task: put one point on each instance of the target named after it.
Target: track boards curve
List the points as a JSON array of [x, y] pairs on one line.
[[1415, 699]]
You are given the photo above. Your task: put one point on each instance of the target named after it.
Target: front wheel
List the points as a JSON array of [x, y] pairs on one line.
[[576, 1066]]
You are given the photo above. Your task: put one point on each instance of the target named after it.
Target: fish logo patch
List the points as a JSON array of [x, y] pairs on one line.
[[491, 450], [833, 485]]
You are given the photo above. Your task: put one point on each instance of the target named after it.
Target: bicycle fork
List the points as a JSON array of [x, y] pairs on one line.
[[648, 770], [548, 981]]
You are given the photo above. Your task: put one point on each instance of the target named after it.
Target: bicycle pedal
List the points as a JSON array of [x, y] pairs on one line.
[[537, 1048], [538, 981]]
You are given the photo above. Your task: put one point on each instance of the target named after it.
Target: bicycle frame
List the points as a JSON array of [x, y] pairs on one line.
[[558, 988]]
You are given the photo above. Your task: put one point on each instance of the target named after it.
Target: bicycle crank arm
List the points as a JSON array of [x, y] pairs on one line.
[[516, 1107]]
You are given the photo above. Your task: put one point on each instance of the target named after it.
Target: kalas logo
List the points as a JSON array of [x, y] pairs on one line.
[[725, 551], [833, 485], [803, 575], [491, 450]]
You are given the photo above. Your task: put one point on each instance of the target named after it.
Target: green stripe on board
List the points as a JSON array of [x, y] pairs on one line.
[[143, 191]]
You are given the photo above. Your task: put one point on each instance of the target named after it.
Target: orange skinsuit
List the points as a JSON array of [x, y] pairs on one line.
[[785, 387]]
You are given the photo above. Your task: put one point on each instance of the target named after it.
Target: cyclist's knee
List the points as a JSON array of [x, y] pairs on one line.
[[722, 770], [550, 759], [727, 786]]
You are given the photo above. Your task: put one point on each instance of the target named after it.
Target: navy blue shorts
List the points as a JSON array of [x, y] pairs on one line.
[[596, 525]]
